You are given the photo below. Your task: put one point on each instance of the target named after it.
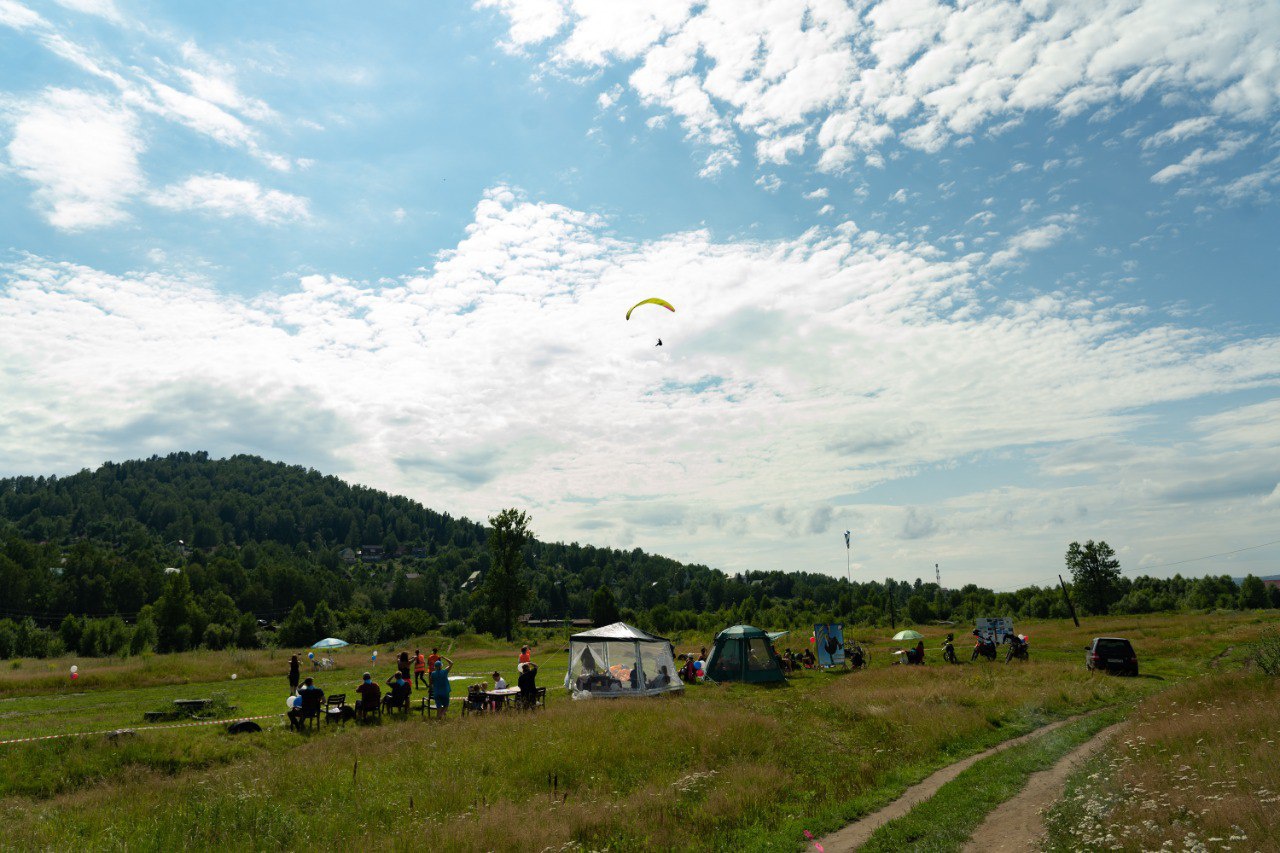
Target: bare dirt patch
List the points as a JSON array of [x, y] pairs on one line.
[[1018, 824], [856, 834]]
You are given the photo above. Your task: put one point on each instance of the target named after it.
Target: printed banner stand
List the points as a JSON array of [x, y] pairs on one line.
[[829, 644]]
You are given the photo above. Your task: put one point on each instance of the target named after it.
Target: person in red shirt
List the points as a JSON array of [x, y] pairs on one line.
[[419, 669], [370, 695], [525, 657]]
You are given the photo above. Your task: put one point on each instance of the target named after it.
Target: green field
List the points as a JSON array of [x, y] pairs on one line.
[[720, 767]]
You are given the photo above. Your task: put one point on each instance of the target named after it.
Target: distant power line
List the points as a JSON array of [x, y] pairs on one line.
[[1211, 556], [1163, 565]]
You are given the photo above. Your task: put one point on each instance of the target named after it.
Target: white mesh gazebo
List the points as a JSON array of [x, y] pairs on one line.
[[619, 660]]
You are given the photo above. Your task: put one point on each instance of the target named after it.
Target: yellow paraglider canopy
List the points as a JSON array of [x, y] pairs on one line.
[[654, 300]]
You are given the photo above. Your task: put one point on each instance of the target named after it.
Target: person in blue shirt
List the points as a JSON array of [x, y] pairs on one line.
[[308, 687], [440, 685]]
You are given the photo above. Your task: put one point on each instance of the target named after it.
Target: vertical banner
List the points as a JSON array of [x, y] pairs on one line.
[[829, 644]]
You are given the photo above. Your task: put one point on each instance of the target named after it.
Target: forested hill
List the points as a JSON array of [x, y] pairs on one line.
[[253, 537], [183, 550], [211, 502]]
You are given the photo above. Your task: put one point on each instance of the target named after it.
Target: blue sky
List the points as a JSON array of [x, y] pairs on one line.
[[972, 280]]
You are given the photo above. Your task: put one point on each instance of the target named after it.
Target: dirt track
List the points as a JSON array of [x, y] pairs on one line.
[[856, 834], [1018, 824]]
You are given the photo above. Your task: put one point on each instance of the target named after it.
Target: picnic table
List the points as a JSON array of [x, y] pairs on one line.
[[191, 706], [181, 708], [501, 698]]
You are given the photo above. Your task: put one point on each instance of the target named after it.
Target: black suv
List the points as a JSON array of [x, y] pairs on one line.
[[1112, 654]]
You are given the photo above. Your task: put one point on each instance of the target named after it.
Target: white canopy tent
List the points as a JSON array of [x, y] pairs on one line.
[[620, 660]]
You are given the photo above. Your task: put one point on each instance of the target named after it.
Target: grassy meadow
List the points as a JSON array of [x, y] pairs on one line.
[[1193, 768], [720, 767]]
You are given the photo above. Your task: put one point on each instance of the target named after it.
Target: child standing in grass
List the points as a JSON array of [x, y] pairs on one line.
[[295, 673]]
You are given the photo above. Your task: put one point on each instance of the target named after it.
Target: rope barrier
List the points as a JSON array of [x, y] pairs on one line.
[[226, 722]]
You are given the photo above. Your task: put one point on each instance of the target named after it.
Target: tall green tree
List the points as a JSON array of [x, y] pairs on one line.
[[1253, 593], [1095, 575], [173, 613], [504, 587], [297, 629], [604, 607]]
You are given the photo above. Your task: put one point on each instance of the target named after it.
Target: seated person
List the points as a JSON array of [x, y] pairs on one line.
[[398, 696], [809, 659], [689, 672], [919, 655], [662, 679], [499, 683], [370, 695], [634, 678], [527, 682], [311, 697]]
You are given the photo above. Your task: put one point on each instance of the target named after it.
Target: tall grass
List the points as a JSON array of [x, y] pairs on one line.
[[728, 767], [1194, 768]]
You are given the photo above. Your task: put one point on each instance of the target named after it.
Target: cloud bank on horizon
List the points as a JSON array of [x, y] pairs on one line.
[[910, 301]]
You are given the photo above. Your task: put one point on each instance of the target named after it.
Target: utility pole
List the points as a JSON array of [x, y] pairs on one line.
[[1067, 598], [848, 559], [937, 573]]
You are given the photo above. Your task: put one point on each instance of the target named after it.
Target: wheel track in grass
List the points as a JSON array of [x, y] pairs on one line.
[[1018, 823], [854, 835]]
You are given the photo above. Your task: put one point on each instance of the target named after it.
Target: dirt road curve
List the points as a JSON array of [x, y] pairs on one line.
[[857, 833], [1017, 825]]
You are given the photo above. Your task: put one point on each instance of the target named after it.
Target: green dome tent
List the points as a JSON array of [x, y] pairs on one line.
[[743, 653]]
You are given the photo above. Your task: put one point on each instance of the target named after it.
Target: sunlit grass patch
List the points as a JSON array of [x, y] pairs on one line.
[[1194, 768]]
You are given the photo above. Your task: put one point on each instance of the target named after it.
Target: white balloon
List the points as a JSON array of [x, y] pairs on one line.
[[233, 676], [75, 668]]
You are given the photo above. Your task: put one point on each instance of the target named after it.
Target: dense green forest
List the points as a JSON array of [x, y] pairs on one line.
[[174, 552]]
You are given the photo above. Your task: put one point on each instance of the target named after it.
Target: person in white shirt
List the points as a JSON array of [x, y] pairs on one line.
[[498, 682]]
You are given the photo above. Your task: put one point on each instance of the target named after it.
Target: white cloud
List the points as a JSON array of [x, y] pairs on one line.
[[1230, 145], [1034, 239], [770, 183], [1179, 131], [868, 358], [102, 8], [209, 105], [227, 197], [81, 151], [531, 21], [16, 16], [922, 72], [819, 193]]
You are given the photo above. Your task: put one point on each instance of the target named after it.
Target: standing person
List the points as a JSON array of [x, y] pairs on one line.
[[702, 655], [295, 673], [403, 664], [419, 669], [440, 686], [432, 658], [526, 656]]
